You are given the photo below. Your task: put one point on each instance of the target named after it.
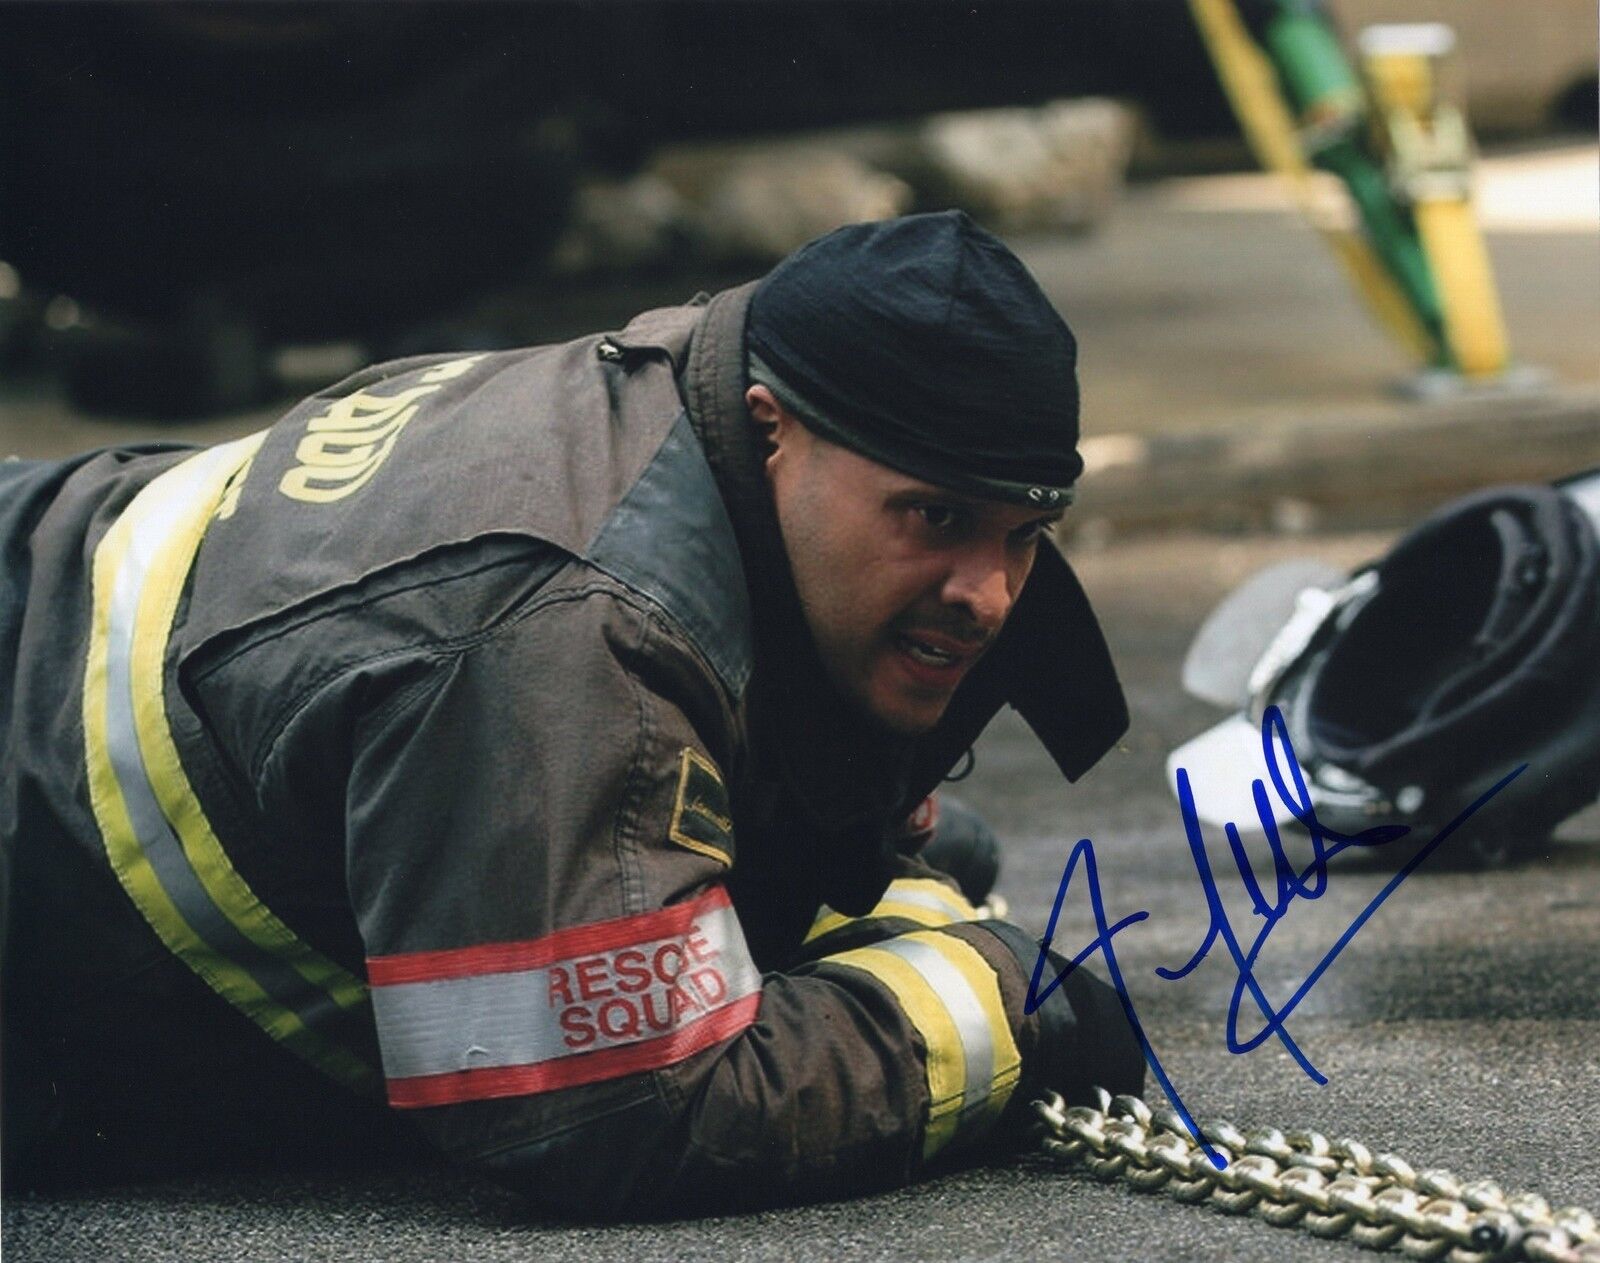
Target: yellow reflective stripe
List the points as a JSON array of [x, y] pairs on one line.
[[830, 921], [945, 1059], [952, 996], [127, 857], [157, 607], [922, 900], [1006, 1064], [139, 571]]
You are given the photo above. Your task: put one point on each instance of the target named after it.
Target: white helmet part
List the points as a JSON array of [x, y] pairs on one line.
[[1236, 634]]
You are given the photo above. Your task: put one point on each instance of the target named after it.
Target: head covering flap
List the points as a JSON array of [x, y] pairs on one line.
[[924, 344]]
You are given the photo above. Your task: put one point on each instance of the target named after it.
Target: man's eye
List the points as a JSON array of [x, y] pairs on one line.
[[940, 517]]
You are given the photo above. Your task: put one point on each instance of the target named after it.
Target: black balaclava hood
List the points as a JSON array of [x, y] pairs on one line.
[[923, 343]]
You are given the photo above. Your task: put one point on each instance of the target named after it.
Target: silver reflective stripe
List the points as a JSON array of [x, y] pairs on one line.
[[466, 1024], [966, 1011], [159, 844], [899, 892], [525, 1017]]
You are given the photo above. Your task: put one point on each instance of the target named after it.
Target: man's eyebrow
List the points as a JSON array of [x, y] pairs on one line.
[[975, 504], [927, 491]]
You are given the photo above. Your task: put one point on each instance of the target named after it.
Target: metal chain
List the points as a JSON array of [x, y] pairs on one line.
[[1331, 1188]]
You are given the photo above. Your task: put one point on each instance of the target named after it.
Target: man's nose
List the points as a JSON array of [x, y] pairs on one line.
[[980, 581]]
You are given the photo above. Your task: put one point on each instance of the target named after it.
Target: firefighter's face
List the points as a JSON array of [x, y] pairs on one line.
[[904, 584]]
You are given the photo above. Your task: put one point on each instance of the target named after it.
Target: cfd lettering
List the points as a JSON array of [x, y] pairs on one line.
[[636, 992]]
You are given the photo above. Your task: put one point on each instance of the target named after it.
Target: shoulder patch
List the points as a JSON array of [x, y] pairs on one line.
[[701, 818]]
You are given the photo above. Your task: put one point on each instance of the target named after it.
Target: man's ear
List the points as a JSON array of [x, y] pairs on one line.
[[776, 422]]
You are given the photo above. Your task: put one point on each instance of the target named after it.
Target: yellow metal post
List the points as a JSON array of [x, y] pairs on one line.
[[1429, 153]]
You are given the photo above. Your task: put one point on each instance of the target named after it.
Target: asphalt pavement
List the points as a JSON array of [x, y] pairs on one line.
[[1460, 1029], [1227, 370]]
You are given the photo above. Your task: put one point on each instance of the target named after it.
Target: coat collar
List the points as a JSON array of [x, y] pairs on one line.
[[1051, 661], [841, 780]]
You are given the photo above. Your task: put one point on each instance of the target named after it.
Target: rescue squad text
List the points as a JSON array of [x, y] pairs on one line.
[[627, 993]]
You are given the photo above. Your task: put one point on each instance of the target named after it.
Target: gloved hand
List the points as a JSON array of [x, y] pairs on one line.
[[962, 844], [1084, 1037]]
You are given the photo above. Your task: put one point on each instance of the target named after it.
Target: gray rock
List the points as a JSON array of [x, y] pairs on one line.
[[763, 207], [1057, 167], [624, 225]]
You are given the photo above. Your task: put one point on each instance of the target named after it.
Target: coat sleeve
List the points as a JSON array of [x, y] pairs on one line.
[[537, 840], [918, 898]]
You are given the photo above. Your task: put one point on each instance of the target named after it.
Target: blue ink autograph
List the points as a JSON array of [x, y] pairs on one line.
[[1308, 883]]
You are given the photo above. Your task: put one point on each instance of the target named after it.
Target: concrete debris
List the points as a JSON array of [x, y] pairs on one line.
[[722, 204], [624, 225], [1058, 168], [763, 208]]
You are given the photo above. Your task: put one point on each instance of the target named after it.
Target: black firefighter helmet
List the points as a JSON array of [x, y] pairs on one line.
[[1412, 687]]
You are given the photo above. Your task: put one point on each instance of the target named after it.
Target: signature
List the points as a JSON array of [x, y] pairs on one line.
[[1291, 885]]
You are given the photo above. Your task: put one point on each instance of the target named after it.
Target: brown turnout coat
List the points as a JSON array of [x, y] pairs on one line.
[[463, 746]]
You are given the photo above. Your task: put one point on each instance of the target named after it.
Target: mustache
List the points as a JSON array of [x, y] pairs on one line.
[[945, 623]]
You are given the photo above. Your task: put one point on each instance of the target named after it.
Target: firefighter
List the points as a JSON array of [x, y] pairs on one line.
[[524, 740]]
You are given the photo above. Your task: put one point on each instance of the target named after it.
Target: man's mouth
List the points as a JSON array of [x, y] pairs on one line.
[[927, 653], [937, 658]]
